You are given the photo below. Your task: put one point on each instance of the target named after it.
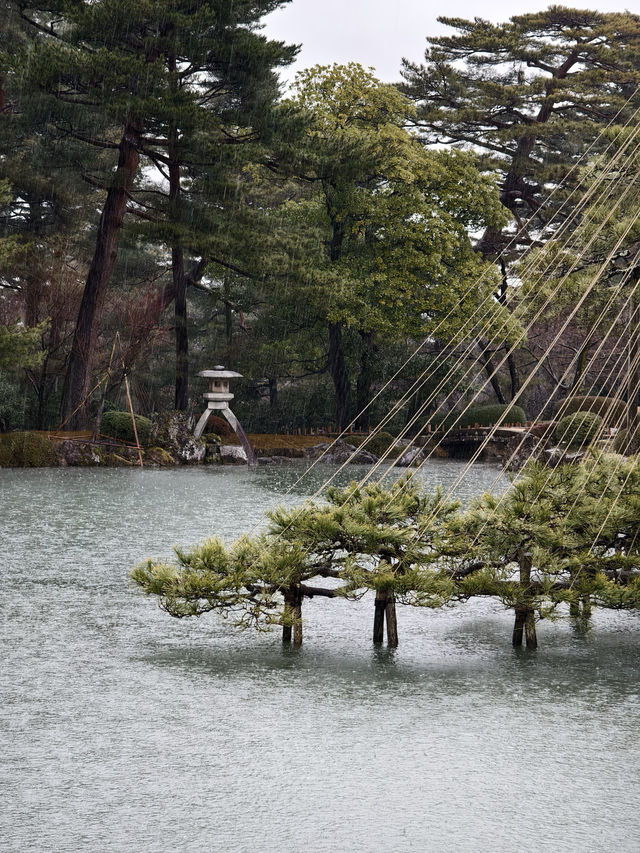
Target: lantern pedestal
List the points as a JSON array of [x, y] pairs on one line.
[[218, 398]]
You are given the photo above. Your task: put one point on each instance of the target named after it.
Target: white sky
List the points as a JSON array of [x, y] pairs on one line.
[[379, 33]]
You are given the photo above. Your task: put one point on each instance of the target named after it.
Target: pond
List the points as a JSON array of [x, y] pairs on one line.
[[125, 730]]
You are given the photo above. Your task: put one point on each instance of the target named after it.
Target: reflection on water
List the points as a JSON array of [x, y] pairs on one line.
[[123, 729]]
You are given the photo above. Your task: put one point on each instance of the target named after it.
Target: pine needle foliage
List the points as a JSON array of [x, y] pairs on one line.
[[568, 535]]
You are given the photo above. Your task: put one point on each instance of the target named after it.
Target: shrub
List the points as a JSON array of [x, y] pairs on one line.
[[118, 425], [622, 443], [378, 444], [577, 430], [611, 409], [11, 405], [485, 415], [26, 450]]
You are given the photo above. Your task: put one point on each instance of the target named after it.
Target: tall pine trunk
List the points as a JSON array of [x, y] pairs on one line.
[[365, 380], [340, 376], [525, 622], [181, 400], [336, 361], [182, 335], [77, 384]]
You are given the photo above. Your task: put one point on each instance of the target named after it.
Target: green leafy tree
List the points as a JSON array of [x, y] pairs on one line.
[[599, 270], [387, 227]]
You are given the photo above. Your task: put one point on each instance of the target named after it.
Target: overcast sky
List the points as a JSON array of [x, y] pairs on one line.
[[379, 33]]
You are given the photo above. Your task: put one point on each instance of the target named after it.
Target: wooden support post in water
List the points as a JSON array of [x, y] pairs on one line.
[[385, 611], [289, 610], [530, 630], [518, 627]]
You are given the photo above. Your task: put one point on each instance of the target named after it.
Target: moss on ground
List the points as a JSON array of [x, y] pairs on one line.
[[26, 450]]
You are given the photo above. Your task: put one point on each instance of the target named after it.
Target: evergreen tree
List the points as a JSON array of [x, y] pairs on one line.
[[146, 81], [567, 535], [532, 95], [564, 535], [387, 228], [598, 268], [368, 538]]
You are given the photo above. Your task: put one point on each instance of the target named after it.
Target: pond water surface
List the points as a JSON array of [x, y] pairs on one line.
[[122, 729]]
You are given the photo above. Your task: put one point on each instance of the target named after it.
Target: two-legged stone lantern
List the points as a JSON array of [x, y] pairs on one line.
[[218, 398]]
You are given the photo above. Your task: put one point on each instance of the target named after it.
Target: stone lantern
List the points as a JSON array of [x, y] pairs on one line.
[[217, 399]]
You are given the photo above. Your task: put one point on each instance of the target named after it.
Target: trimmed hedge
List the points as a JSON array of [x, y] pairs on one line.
[[378, 444], [118, 425], [26, 450], [486, 415], [622, 443], [577, 430], [611, 409]]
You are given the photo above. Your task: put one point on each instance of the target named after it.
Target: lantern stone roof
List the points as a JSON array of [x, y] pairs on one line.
[[219, 372]]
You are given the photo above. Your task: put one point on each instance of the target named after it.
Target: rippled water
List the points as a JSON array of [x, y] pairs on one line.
[[125, 730]]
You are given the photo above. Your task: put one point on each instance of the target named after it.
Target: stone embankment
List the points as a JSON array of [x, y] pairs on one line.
[[172, 444]]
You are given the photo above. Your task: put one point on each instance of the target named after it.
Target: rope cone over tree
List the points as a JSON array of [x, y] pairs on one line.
[[558, 536]]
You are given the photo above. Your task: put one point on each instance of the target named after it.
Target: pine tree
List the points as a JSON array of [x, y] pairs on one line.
[[146, 81], [532, 96], [364, 538], [567, 535]]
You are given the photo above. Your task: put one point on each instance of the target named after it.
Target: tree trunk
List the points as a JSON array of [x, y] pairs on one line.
[[182, 337], [514, 375], [289, 607], [336, 360], [378, 617], [530, 630], [273, 392], [525, 616], [365, 380], [581, 364], [78, 377], [340, 376], [385, 611], [489, 368], [297, 625], [181, 401], [392, 622], [518, 627], [293, 615]]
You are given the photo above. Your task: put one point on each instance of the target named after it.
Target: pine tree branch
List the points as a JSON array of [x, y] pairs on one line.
[[98, 143]]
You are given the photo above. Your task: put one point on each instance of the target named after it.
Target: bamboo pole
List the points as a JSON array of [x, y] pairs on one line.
[[133, 419]]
